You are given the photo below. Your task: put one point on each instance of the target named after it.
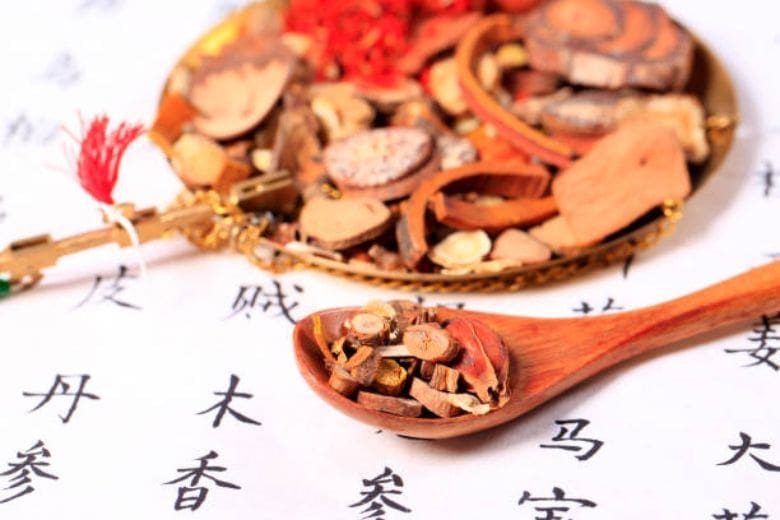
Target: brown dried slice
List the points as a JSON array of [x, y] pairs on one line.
[[377, 157], [390, 378], [586, 113], [432, 35], [341, 111], [514, 244], [468, 403], [530, 109], [172, 116], [430, 342], [434, 400], [528, 83], [388, 99], [557, 234], [234, 100], [444, 378], [342, 382], [368, 328], [426, 369], [626, 174], [393, 405], [364, 365], [200, 161], [460, 214], [419, 114], [342, 223], [402, 187], [498, 355], [474, 364], [410, 230], [462, 248], [455, 151], [384, 259], [394, 351]]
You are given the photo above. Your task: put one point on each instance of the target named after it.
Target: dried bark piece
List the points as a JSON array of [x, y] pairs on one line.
[[377, 157], [530, 109], [426, 369], [528, 180], [434, 400], [493, 345], [459, 214], [233, 97], [517, 245], [368, 328], [342, 382], [342, 223], [430, 342], [626, 174], [387, 404], [432, 35], [200, 161], [474, 364], [444, 378], [530, 83], [486, 34], [492, 147], [609, 44], [364, 365], [461, 248], [390, 378]]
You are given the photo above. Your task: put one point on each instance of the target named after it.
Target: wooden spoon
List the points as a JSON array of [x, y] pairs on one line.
[[548, 356]]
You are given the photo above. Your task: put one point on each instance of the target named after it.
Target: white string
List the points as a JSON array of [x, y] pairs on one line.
[[115, 216]]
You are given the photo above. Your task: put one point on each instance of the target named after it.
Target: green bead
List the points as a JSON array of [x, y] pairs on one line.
[[5, 288]]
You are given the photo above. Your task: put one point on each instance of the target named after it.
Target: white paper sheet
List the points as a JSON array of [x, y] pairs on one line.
[[159, 350]]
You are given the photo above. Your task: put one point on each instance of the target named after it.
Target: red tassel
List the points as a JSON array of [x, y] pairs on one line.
[[100, 153]]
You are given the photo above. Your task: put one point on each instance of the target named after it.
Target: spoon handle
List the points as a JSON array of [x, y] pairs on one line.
[[743, 297]]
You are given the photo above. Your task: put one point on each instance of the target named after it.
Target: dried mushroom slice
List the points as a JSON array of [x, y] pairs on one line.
[[377, 157]]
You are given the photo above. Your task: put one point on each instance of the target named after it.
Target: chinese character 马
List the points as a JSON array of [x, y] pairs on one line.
[[570, 429]]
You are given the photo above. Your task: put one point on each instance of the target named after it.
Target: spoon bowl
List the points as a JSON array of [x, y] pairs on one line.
[[548, 356]]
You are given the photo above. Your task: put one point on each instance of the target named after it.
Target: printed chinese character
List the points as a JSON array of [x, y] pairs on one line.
[[22, 473], [62, 71], [61, 388], [767, 176], [568, 437], [627, 266], [104, 291], [251, 297], [767, 343], [755, 509], [554, 505], [192, 495], [23, 129], [744, 448], [223, 406], [376, 497], [450, 305], [585, 308]]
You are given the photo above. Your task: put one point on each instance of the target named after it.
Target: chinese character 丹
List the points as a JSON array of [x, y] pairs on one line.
[[193, 495], [61, 388], [744, 448], [569, 440], [223, 406], [550, 507], [376, 498], [21, 474]]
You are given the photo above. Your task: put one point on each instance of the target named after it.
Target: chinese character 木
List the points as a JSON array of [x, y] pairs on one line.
[[767, 342], [61, 388], [252, 297], [22, 472], [376, 498], [551, 512], [193, 495], [753, 514], [744, 448], [569, 432], [224, 405], [109, 292]]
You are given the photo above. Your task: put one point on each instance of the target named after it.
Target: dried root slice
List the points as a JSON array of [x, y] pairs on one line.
[[343, 223], [517, 245], [429, 342], [530, 109], [393, 405], [394, 351], [444, 378], [385, 260], [434, 400], [426, 369], [200, 161], [474, 364], [461, 248], [527, 180], [368, 328], [377, 157], [364, 365], [586, 113], [460, 214], [468, 403], [556, 233], [526, 83], [626, 174], [390, 378], [342, 382]]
